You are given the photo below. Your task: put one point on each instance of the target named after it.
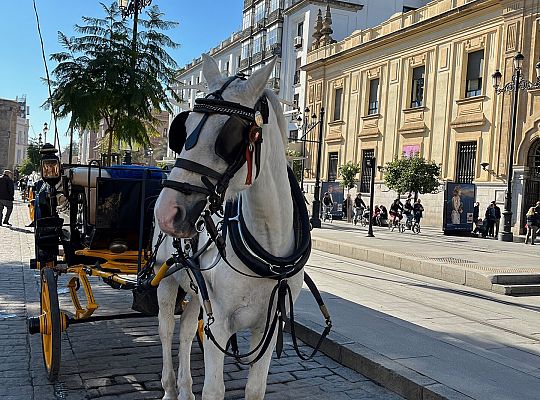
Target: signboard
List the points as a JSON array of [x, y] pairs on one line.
[[459, 207], [338, 195]]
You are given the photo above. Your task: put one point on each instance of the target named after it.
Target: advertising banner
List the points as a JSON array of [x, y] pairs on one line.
[[459, 207], [337, 193]]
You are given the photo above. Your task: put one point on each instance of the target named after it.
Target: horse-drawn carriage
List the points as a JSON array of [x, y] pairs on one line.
[[92, 221], [234, 234]]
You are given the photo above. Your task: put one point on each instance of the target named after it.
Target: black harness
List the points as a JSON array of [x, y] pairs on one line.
[[239, 140]]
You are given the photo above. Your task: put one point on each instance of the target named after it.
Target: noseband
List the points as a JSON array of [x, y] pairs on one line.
[[238, 142]]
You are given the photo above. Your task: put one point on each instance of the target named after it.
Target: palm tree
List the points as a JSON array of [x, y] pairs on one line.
[[100, 76]]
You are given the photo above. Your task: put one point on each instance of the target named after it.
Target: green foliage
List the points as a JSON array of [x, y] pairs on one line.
[[27, 167], [104, 74], [348, 174], [295, 163], [412, 175]]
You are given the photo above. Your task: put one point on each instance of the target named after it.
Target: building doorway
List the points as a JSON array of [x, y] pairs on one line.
[[532, 182]]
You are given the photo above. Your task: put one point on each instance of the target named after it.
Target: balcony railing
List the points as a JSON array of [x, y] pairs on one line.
[[246, 32], [273, 83], [244, 63], [248, 3], [276, 15], [273, 50], [257, 57]]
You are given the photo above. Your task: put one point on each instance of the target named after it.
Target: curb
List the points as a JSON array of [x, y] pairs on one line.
[[398, 378], [415, 265]]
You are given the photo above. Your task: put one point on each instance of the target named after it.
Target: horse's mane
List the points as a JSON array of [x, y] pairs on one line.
[[276, 106]]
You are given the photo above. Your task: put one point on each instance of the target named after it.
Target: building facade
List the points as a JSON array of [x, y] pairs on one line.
[[420, 82], [23, 125], [284, 29], [9, 113]]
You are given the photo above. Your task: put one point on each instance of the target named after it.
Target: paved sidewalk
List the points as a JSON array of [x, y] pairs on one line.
[[121, 359], [487, 264], [424, 338]]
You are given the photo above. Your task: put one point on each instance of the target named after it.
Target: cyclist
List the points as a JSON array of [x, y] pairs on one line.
[[328, 205], [418, 210], [396, 212], [383, 216], [359, 207], [408, 211]]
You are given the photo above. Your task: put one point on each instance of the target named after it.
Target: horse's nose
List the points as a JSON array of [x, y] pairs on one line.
[[171, 219]]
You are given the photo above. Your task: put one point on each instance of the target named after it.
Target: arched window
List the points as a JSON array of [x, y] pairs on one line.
[[534, 159]]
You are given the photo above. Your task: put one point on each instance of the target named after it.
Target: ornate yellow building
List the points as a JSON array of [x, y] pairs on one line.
[[421, 82]]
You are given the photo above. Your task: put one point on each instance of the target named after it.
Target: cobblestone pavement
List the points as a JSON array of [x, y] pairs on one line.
[[121, 359]]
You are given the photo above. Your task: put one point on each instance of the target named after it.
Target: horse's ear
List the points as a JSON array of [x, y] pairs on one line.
[[210, 70], [259, 79]]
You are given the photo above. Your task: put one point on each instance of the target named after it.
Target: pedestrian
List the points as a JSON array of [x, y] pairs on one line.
[[418, 210], [408, 210], [359, 207], [347, 207], [497, 217], [490, 220], [7, 191], [532, 225], [476, 215]]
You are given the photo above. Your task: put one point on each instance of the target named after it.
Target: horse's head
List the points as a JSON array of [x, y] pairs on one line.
[[215, 144]]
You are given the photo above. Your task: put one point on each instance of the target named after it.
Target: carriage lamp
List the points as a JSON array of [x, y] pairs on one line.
[[50, 164]]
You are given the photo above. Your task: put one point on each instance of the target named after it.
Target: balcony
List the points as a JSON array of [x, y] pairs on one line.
[[276, 15], [273, 50], [244, 63], [246, 33], [248, 3], [296, 78], [257, 57], [257, 26]]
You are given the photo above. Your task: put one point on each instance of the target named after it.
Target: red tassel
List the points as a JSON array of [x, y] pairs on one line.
[[249, 160]]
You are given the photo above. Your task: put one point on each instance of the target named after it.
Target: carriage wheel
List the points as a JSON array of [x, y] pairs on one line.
[[51, 332], [416, 228]]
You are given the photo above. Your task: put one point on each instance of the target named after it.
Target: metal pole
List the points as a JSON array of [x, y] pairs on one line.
[[315, 213], [303, 164], [71, 146], [371, 197], [506, 234]]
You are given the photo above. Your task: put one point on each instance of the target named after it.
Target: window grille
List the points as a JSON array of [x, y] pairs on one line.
[[337, 104], [417, 89], [466, 162], [373, 106], [365, 177], [332, 166]]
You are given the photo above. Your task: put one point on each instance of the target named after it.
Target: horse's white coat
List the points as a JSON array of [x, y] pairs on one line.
[[238, 302]]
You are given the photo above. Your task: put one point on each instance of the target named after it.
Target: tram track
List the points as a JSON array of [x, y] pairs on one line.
[[339, 274]]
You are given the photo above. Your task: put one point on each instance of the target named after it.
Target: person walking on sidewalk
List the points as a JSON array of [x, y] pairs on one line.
[[359, 207], [532, 225], [418, 210], [497, 217], [476, 215], [490, 218], [7, 191]]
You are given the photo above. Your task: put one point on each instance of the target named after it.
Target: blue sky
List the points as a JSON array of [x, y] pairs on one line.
[[202, 25]]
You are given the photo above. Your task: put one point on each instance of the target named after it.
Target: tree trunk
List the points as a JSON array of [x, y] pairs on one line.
[[109, 150]]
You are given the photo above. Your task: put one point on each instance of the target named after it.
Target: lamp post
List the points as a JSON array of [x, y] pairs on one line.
[[305, 125], [315, 214], [370, 163], [130, 8], [518, 83], [45, 131]]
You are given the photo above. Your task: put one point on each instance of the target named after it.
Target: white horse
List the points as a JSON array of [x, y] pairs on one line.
[[239, 302]]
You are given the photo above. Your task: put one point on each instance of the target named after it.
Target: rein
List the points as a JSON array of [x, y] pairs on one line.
[[262, 264]]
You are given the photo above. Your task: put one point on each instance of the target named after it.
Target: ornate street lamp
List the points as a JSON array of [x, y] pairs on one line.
[[518, 83], [130, 8], [315, 213]]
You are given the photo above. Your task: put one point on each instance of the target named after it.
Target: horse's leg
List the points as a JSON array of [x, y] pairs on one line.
[[167, 290], [214, 387], [188, 327], [258, 372]]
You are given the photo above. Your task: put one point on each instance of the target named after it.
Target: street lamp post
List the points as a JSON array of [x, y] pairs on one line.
[[45, 131], [315, 214], [518, 83]]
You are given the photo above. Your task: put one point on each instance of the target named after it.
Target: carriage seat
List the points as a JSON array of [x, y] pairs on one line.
[[79, 177]]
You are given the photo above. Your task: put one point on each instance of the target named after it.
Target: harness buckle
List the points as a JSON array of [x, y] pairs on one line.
[[200, 224]]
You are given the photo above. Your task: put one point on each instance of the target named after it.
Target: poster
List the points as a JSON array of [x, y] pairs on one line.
[[411, 150], [337, 193], [459, 207]]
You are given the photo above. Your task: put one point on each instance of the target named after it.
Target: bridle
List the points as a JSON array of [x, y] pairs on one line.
[[238, 142]]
